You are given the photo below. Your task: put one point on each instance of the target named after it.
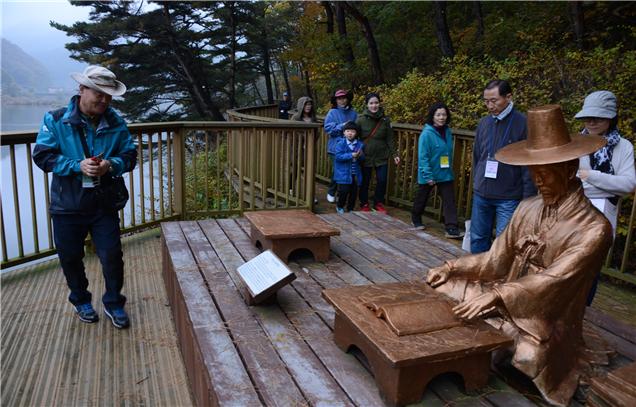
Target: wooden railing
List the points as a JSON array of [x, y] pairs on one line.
[[402, 179], [216, 169], [185, 170]]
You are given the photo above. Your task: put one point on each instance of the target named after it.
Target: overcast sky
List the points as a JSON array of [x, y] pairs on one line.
[[26, 24]]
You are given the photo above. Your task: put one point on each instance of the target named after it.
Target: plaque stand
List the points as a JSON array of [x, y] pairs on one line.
[[262, 277]]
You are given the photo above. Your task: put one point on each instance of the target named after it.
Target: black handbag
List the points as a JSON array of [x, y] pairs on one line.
[[111, 194]]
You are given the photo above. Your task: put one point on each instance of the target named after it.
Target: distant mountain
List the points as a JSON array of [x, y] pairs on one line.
[[22, 74]]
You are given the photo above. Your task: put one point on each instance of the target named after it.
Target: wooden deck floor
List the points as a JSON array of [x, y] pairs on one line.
[[239, 347], [50, 358]]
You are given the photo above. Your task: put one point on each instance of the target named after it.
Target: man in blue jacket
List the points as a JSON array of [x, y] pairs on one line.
[[497, 187], [74, 208]]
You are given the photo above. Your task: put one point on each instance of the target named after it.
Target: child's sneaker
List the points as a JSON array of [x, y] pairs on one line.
[[365, 208], [380, 208], [340, 210], [118, 317], [454, 233], [86, 313], [331, 198]]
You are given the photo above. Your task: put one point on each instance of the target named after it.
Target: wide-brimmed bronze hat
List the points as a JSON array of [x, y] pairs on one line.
[[548, 140]]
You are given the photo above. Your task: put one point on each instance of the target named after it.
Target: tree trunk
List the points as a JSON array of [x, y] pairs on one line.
[[372, 46], [267, 72], [329, 12], [443, 37], [575, 9], [233, 24], [342, 32], [276, 88], [479, 16], [307, 84], [200, 96], [283, 67], [258, 93]]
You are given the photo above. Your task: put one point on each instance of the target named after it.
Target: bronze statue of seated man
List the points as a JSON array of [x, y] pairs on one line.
[[536, 277]]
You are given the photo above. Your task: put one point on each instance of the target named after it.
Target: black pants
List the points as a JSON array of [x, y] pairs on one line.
[[380, 184], [69, 232], [445, 190], [347, 194]]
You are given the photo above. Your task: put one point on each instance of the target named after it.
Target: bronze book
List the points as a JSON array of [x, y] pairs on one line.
[[415, 316]]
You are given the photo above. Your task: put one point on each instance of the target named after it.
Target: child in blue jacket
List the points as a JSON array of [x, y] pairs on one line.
[[347, 169]]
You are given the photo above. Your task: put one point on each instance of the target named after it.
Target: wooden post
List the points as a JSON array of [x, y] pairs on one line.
[[628, 240], [265, 161], [179, 174], [310, 167]]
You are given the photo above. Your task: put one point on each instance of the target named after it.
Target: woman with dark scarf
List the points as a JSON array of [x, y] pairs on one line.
[[608, 173], [379, 147]]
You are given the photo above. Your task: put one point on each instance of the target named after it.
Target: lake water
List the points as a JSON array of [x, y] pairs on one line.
[[23, 117]]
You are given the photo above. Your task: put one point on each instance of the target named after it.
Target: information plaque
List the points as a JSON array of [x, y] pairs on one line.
[[263, 276]]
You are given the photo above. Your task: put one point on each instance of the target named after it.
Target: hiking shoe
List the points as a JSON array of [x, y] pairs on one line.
[[365, 208], [340, 210], [118, 317], [454, 233], [86, 313], [331, 198], [380, 208]]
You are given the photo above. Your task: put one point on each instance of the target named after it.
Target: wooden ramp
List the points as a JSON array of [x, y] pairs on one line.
[[50, 358]]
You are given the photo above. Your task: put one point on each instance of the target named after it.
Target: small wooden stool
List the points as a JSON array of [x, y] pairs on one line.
[[404, 364], [285, 231]]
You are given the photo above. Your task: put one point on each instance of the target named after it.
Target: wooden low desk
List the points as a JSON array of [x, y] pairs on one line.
[[403, 365], [285, 231]]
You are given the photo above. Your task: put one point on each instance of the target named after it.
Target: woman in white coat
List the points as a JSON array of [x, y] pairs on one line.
[[606, 174]]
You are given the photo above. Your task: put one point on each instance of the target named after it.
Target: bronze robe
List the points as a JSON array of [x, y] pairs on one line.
[[542, 267]]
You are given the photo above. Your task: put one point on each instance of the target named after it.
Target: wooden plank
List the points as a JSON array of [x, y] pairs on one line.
[[401, 239], [360, 263], [437, 248], [269, 374], [388, 258], [354, 379], [318, 386], [501, 394], [447, 388], [204, 338], [617, 328], [433, 240], [308, 288]]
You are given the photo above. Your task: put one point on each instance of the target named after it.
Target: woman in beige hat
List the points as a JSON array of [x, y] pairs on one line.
[[608, 173]]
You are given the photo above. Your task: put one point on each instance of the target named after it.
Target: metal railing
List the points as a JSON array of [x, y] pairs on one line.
[[185, 170]]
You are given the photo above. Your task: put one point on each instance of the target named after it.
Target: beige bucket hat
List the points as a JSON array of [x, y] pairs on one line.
[[101, 79]]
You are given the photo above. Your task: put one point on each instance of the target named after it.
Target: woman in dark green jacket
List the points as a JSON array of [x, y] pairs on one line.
[[377, 135]]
